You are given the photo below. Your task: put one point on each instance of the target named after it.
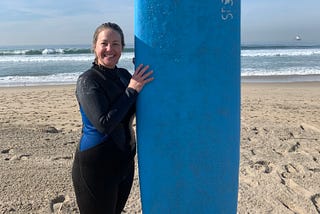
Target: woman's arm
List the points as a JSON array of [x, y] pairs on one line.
[[105, 116]]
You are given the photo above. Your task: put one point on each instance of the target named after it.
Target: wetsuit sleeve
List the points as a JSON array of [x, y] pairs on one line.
[[105, 116]]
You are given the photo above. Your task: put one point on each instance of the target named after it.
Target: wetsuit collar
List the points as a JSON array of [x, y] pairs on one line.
[[106, 72], [103, 68]]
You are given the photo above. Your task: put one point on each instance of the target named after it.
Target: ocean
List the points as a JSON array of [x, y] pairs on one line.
[[52, 65]]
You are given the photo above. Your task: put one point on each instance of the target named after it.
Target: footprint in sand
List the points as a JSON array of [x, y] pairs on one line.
[[62, 158], [291, 170], [291, 206], [70, 142], [264, 165], [255, 130], [305, 126], [20, 157], [298, 189], [51, 129], [294, 148], [5, 151], [316, 201], [56, 203], [14, 157]]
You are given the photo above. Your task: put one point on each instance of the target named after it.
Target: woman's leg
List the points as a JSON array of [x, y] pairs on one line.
[[94, 180], [101, 183], [124, 188], [84, 197]]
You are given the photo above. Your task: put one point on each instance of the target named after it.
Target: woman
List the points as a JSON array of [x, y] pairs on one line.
[[103, 167]]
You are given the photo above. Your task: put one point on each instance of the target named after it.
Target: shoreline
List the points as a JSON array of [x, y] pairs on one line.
[[281, 78], [38, 86], [244, 79], [279, 153], [243, 82]]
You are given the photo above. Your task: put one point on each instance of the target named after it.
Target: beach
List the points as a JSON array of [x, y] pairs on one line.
[[40, 127]]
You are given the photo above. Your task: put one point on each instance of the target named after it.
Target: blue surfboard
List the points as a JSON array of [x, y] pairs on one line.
[[188, 118]]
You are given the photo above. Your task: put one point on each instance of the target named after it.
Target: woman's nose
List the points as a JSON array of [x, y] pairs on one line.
[[108, 47]]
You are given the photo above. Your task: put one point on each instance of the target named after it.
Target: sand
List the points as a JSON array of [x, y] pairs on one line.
[[280, 149]]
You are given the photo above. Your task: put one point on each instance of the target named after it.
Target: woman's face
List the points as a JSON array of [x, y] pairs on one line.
[[108, 48]]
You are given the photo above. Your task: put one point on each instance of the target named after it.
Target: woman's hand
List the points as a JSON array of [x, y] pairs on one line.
[[140, 78]]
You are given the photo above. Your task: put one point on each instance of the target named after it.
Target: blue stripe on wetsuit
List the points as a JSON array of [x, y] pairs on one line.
[[90, 135]]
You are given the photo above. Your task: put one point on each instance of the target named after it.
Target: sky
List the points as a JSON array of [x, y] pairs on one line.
[[60, 22]]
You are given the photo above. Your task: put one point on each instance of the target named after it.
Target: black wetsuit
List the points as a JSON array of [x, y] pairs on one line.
[[103, 167]]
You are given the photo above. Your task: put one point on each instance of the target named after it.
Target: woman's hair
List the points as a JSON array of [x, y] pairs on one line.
[[104, 26]]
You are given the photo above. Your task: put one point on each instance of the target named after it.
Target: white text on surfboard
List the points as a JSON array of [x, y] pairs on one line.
[[226, 9]]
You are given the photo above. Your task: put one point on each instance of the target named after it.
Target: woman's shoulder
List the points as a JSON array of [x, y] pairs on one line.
[[88, 73], [87, 78]]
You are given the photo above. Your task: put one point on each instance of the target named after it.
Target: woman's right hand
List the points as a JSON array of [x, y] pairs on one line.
[[140, 78]]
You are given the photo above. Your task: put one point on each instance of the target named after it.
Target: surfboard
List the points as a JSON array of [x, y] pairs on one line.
[[188, 118]]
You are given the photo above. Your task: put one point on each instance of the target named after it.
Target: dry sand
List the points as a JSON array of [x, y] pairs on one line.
[[280, 149]]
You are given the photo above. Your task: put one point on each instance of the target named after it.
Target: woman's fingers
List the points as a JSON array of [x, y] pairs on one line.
[[138, 69], [146, 75], [141, 70], [144, 70], [140, 77]]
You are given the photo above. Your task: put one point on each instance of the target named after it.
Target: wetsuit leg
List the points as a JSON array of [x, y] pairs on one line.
[[102, 182], [85, 199], [124, 188]]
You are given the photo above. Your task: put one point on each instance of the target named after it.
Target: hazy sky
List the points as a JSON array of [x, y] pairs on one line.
[[40, 22]]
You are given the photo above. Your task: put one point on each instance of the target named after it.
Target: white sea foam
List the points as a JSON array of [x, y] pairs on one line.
[[284, 71], [49, 58], [62, 78], [53, 58], [53, 51], [280, 52], [64, 65]]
